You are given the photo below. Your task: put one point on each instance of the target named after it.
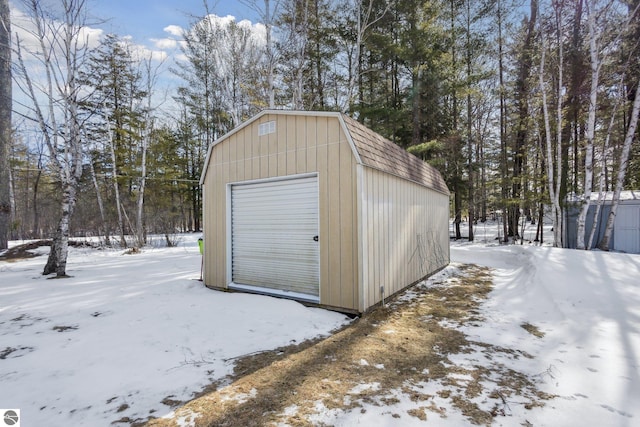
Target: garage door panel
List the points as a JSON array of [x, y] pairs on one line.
[[273, 226]]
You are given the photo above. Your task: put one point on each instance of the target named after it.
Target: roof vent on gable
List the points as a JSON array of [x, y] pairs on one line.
[[267, 128]]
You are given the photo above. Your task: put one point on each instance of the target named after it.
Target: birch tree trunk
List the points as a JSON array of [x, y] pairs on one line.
[[298, 100], [271, 62], [559, 217], [116, 189], [140, 235], [61, 53], [602, 178], [268, 15], [5, 122], [364, 21], [504, 182], [470, 160], [151, 75], [622, 170], [591, 123], [553, 180]]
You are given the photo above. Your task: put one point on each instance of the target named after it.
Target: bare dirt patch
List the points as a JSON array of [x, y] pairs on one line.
[[532, 329], [394, 349]]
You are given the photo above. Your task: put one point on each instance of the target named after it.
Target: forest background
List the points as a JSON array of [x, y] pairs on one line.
[[524, 106]]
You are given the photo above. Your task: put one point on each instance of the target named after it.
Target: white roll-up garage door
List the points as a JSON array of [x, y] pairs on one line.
[[274, 236]]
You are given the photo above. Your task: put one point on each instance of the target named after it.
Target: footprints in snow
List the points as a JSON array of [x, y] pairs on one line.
[[616, 411]]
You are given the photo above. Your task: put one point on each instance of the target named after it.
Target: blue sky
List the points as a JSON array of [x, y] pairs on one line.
[[146, 19]]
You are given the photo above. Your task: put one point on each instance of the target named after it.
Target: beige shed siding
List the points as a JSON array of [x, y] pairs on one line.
[[404, 233], [301, 144]]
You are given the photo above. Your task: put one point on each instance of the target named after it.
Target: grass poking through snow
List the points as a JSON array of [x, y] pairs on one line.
[[401, 349], [532, 329]]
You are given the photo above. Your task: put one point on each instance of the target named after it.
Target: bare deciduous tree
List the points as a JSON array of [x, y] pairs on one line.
[[594, 35], [5, 121], [553, 175], [268, 15], [366, 18]]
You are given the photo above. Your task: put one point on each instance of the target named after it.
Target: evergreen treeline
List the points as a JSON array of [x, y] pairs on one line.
[[518, 105]]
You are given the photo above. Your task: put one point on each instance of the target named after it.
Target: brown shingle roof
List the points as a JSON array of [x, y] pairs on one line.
[[379, 153]]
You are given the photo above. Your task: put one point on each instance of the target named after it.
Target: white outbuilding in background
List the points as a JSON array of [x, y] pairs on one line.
[[626, 226]]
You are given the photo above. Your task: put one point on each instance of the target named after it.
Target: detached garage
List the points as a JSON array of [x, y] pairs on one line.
[[316, 207]]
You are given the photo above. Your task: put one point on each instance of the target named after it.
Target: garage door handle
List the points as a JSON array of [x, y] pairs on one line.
[[315, 238]]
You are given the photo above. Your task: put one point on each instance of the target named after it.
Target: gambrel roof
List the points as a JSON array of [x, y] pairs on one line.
[[379, 153], [370, 149]]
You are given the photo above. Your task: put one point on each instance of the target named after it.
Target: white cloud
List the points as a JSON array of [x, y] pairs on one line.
[[174, 30], [23, 26], [223, 20], [142, 52], [165, 43], [258, 30], [181, 57]]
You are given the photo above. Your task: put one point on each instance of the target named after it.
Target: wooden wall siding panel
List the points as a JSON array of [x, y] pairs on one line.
[[263, 148], [397, 236], [225, 168], [361, 237], [377, 218], [301, 144], [316, 135], [259, 149], [242, 156], [371, 250], [233, 162], [213, 230], [389, 242], [255, 153], [224, 155], [323, 190], [281, 135], [240, 162], [356, 266], [346, 202], [409, 231], [272, 140], [291, 143], [409, 217], [335, 253], [207, 223], [211, 219], [215, 225], [245, 165], [249, 159], [382, 232], [221, 233]]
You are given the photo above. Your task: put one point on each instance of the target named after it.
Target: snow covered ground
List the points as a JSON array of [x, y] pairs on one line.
[[587, 305], [127, 331]]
